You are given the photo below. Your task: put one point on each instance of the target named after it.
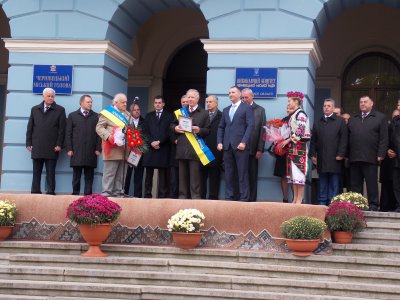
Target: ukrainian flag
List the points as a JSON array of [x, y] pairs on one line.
[[114, 116]]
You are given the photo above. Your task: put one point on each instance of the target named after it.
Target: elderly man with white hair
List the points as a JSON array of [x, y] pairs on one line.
[[113, 119], [44, 139]]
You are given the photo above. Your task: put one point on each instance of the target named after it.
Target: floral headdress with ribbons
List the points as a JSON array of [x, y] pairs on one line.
[[296, 94]]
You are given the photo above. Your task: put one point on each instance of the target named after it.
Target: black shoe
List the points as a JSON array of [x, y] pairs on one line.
[[285, 201], [397, 210], [373, 209]]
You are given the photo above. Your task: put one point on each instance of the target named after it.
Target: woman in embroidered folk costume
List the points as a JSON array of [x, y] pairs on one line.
[[297, 162]]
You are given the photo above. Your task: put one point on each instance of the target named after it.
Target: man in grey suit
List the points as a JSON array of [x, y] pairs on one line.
[[233, 137], [257, 142]]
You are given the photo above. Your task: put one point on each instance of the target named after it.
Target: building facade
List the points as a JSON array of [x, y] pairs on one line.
[[325, 48]]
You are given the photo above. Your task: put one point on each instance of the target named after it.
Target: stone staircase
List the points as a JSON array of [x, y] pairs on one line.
[[369, 268]]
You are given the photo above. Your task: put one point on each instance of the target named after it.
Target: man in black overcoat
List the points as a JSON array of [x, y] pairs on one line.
[[83, 144], [394, 153], [327, 149], [137, 121], [157, 126], [189, 163], [212, 171], [44, 139], [257, 142], [368, 143]]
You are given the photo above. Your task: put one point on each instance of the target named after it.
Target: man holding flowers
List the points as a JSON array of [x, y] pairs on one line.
[[109, 127]]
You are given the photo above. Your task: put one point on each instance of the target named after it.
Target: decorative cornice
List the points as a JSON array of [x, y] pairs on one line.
[[265, 46], [66, 46]]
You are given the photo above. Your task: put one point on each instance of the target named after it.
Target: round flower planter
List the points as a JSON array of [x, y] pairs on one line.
[[302, 247], [5, 232], [342, 237], [187, 240], [95, 235]]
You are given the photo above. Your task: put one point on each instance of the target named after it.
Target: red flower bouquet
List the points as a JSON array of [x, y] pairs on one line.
[[276, 131], [93, 209]]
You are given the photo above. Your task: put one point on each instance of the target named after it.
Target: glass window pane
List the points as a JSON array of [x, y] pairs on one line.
[[372, 71], [351, 100], [386, 101]]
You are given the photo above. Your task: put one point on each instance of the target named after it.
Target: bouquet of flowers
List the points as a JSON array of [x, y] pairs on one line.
[[135, 140], [186, 220], [93, 209], [276, 131]]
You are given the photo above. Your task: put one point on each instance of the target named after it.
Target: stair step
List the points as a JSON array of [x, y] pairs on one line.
[[382, 227], [165, 293], [391, 239], [386, 217], [244, 286], [70, 271]]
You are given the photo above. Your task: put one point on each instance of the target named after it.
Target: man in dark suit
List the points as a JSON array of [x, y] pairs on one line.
[[234, 133], [212, 171], [189, 162], [368, 143], [174, 165], [257, 142], [327, 149], [157, 126], [83, 144], [44, 139], [394, 154], [137, 121]]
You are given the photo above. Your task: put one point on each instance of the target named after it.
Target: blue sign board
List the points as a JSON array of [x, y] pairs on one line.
[[59, 78], [262, 81]]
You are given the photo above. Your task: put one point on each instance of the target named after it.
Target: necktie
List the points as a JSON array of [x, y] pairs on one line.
[[190, 109], [232, 112], [46, 108], [211, 116], [85, 113], [363, 115], [326, 119], [158, 115]]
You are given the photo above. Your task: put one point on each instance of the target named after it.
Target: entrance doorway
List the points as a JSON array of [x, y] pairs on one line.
[[187, 70]]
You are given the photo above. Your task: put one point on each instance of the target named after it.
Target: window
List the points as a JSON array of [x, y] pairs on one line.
[[373, 74]]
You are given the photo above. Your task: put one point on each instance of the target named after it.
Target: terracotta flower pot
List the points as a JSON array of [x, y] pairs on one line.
[[342, 237], [187, 240], [5, 232], [302, 247], [95, 235]]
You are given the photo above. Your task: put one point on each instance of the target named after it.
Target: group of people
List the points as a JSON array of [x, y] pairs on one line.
[[190, 161], [348, 150], [233, 139]]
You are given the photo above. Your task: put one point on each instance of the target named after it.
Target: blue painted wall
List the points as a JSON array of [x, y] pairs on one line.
[[118, 21]]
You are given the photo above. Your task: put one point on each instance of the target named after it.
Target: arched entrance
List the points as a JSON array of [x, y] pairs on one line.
[[353, 47], [155, 39], [187, 69]]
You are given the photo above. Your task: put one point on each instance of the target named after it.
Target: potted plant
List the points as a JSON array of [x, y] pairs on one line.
[[356, 198], [8, 215], [94, 214], [303, 234], [185, 227], [343, 219]]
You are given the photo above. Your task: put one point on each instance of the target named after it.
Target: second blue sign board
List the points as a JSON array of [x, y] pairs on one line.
[[262, 81]]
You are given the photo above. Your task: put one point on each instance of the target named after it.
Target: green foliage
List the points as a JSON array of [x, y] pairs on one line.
[[303, 228]]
